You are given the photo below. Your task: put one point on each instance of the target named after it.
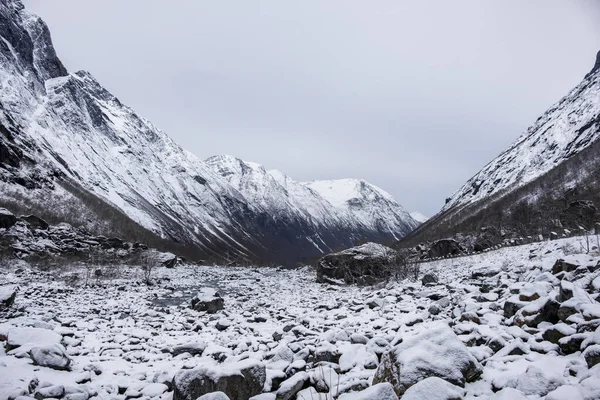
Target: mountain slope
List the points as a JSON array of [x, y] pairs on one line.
[[552, 164], [61, 130]]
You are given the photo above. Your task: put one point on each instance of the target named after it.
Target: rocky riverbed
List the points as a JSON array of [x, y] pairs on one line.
[[508, 324]]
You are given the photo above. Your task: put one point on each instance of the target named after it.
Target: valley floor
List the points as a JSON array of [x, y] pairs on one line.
[[124, 338]]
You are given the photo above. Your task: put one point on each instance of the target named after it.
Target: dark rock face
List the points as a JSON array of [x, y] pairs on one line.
[[429, 279], [7, 219], [563, 266], [208, 300], [8, 294], [580, 214], [445, 248], [35, 222], [239, 382], [31, 41], [364, 264]]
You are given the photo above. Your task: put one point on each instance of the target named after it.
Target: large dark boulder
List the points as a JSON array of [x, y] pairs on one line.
[[208, 300], [445, 248], [8, 294], [7, 219], [239, 381], [580, 214], [35, 222], [365, 264]]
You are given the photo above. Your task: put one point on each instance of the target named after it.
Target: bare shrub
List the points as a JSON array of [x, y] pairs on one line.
[[568, 249], [150, 261]]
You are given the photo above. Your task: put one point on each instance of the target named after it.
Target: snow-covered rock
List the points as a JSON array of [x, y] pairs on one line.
[[18, 337], [238, 381], [209, 300], [8, 294], [435, 352], [433, 388], [51, 356], [380, 391]]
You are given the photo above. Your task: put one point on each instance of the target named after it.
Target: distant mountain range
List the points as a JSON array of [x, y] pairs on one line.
[[71, 150]]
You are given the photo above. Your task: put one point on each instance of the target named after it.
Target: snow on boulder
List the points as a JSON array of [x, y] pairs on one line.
[[433, 389], [435, 352], [364, 264], [194, 349], [290, 387], [239, 381], [7, 296], [18, 337], [51, 356], [154, 390], [7, 219], [380, 391], [209, 300], [534, 382], [214, 396], [168, 260]]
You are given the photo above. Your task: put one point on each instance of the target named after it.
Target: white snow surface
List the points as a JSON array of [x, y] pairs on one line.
[[128, 330]]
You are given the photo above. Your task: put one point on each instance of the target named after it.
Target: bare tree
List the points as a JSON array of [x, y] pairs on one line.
[[150, 261]]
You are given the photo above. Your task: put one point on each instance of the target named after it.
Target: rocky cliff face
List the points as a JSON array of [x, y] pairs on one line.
[[61, 127]]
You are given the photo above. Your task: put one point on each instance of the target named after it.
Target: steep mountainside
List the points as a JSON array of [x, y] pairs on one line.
[[528, 188], [61, 131]]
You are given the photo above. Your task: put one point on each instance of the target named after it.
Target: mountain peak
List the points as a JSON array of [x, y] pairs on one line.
[[597, 65]]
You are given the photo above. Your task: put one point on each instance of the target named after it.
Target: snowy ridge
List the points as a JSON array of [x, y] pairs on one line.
[[69, 123], [419, 217], [566, 128]]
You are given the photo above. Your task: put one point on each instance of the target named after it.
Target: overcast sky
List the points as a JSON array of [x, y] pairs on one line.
[[414, 97]]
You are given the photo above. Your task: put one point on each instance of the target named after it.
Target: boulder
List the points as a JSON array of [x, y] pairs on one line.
[[168, 260], [366, 264], [445, 248], [7, 219], [435, 352], [50, 392], [18, 337], [290, 387], [434, 389], [51, 356], [8, 294], [239, 381], [35, 222], [592, 355], [209, 300], [535, 382], [379, 391], [563, 266], [194, 349], [429, 279], [214, 396]]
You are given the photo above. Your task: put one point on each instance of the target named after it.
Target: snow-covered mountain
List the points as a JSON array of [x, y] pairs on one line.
[[58, 127], [568, 127], [549, 175]]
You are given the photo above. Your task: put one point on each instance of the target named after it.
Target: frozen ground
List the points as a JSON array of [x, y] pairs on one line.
[[124, 339]]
